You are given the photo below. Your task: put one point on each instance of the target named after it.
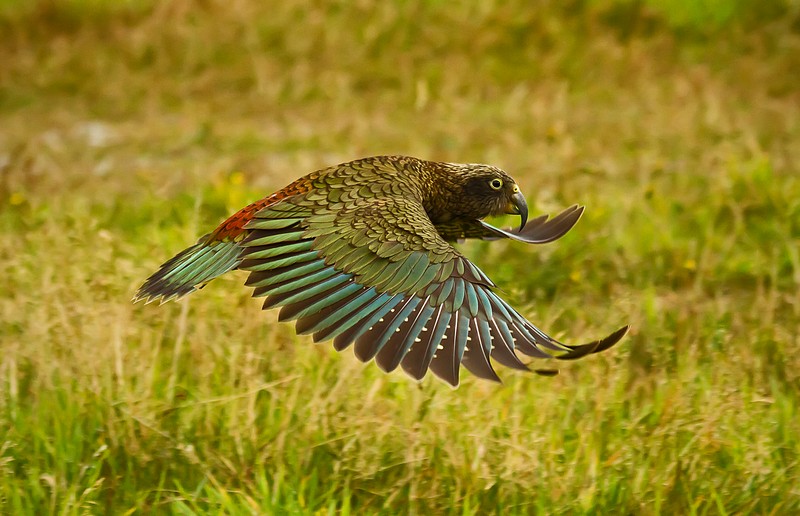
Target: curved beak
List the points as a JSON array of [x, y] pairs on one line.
[[518, 206]]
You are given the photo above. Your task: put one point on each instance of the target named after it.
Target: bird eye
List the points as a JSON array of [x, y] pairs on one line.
[[496, 184]]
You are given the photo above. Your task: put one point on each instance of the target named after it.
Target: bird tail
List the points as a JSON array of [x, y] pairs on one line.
[[190, 270]]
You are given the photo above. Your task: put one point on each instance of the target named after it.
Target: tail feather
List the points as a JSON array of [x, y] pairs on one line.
[[189, 270]]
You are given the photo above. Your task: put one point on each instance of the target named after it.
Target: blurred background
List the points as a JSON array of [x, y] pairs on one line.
[[130, 128]]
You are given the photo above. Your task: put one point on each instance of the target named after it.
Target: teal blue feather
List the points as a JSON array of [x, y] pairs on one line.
[[289, 273], [417, 360], [472, 299], [344, 335], [192, 261], [458, 294], [283, 261], [447, 360], [330, 316], [486, 336], [188, 269], [368, 315], [499, 306], [461, 337], [299, 310], [505, 334], [271, 251], [393, 352], [485, 304], [444, 292], [287, 286], [370, 343], [476, 356], [502, 351], [302, 293]]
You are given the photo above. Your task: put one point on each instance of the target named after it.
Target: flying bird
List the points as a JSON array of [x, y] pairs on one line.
[[362, 253]]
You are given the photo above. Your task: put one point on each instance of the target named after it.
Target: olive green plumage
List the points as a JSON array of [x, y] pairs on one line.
[[361, 253]]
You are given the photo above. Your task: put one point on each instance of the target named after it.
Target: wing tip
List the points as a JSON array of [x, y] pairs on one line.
[[597, 346]]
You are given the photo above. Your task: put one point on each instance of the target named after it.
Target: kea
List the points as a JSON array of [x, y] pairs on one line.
[[362, 253]]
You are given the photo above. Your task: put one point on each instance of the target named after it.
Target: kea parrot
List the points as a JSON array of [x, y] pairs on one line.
[[362, 253]]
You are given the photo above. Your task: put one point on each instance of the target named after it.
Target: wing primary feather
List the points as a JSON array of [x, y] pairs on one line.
[[196, 268], [594, 347], [458, 294], [418, 359], [352, 318], [260, 237], [499, 306], [263, 278], [512, 317], [447, 360], [503, 346], [534, 335], [318, 302], [305, 293], [263, 264], [472, 298], [260, 281], [484, 303], [342, 339], [525, 343], [196, 261], [328, 315], [399, 343], [273, 250], [200, 271], [444, 292], [476, 355], [370, 343]]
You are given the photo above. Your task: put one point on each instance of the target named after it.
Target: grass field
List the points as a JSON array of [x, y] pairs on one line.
[[128, 129]]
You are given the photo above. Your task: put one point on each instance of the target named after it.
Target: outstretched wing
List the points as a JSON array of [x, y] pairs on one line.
[[374, 272]]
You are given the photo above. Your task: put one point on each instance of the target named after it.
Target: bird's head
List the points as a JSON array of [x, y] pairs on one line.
[[486, 190]]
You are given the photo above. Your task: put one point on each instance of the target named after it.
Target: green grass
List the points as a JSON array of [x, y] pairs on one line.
[[128, 129]]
